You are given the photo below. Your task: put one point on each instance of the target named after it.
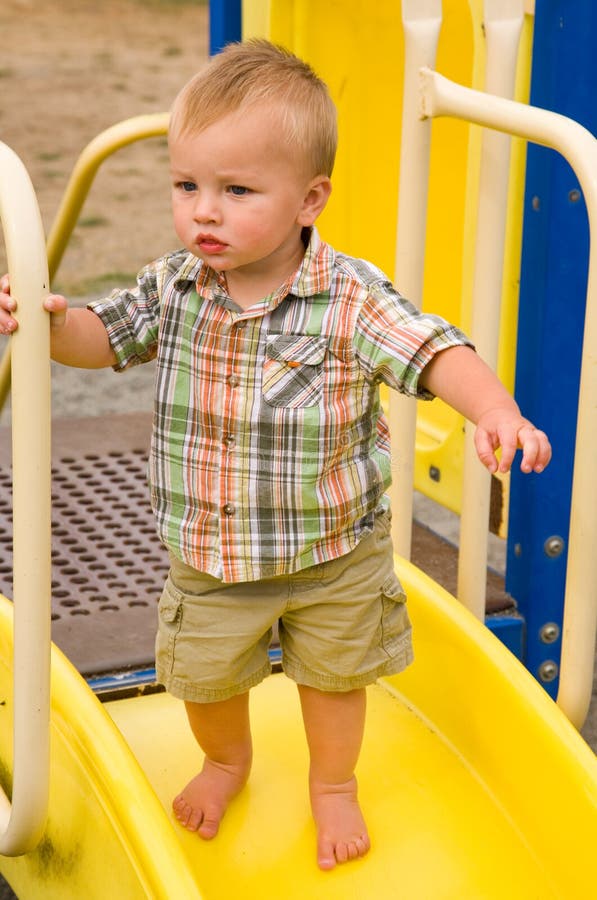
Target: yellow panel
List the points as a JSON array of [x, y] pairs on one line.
[[363, 66]]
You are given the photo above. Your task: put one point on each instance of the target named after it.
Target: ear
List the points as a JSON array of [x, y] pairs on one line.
[[316, 197]]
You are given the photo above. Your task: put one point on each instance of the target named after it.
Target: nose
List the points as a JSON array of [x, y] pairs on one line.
[[206, 208]]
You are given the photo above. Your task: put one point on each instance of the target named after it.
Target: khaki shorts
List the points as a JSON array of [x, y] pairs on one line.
[[342, 624]]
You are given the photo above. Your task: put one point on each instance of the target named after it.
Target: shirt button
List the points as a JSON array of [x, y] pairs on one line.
[[242, 323], [230, 441], [228, 509], [233, 380]]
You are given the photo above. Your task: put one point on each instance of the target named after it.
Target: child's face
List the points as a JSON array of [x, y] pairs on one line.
[[241, 196]]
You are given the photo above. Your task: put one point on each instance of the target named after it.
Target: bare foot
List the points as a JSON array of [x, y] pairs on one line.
[[202, 803], [341, 830]]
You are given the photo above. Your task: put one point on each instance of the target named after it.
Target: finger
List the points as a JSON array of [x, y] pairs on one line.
[[508, 441], [7, 325], [56, 304], [5, 284], [544, 455], [536, 449], [485, 447]]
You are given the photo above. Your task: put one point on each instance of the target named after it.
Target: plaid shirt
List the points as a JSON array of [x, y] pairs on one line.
[[270, 450]]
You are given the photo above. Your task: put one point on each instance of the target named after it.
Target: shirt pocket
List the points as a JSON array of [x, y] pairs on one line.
[[293, 371]]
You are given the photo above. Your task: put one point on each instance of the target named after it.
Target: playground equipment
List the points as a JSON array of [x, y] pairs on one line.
[[466, 736], [22, 826]]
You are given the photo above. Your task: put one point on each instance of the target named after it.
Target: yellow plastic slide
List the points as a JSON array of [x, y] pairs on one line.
[[473, 782]]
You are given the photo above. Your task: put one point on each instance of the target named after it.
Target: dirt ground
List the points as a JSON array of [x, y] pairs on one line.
[[68, 70]]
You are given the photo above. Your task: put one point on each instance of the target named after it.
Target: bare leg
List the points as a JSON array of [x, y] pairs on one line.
[[334, 724], [222, 731]]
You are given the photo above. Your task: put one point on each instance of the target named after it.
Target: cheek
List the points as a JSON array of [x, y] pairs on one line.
[[257, 228], [180, 219]]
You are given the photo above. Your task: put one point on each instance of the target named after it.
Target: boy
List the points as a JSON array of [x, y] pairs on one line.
[[270, 454]]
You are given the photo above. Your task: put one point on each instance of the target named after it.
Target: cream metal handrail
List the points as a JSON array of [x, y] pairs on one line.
[[27, 362], [441, 97], [22, 823], [503, 21], [421, 20], [106, 143]]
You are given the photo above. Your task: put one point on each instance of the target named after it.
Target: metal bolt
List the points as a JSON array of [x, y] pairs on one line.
[[550, 632], [517, 550], [536, 203], [435, 473], [548, 670], [574, 196], [553, 546]]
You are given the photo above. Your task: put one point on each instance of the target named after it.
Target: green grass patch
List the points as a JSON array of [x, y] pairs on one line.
[[93, 222], [49, 156], [96, 285]]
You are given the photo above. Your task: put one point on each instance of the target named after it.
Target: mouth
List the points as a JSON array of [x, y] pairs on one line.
[[208, 243]]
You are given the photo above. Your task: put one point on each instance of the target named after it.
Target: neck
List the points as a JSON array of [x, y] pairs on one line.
[[248, 285]]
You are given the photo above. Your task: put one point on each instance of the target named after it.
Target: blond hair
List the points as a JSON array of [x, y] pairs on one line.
[[257, 72]]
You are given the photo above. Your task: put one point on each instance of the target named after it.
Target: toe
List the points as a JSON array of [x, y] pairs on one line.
[[326, 858], [352, 850], [186, 814], [342, 852], [363, 845], [182, 810], [179, 803], [194, 820], [209, 827]]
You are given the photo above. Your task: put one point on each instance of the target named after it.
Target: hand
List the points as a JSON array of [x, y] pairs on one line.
[[55, 304], [510, 431]]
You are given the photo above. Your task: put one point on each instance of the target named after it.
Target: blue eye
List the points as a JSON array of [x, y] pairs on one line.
[[238, 190]]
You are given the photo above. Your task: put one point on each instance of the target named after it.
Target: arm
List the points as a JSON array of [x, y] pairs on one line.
[[469, 386], [77, 336]]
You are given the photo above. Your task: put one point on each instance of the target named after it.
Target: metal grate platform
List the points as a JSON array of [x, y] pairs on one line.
[[108, 567]]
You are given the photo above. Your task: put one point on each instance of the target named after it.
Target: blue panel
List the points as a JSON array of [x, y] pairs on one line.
[[224, 23], [510, 630], [551, 321]]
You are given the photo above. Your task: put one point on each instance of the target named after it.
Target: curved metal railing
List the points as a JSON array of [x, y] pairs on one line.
[[102, 146], [441, 97], [27, 363], [22, 821]]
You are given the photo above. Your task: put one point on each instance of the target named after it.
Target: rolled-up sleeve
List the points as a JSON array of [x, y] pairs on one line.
[[131, 319], [394, 341]]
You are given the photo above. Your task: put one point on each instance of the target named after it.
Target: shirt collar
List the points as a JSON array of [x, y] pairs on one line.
[[312, 277]]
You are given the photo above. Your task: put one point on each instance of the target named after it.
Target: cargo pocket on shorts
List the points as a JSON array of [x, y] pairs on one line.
[[395, 623], [170, 622]]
